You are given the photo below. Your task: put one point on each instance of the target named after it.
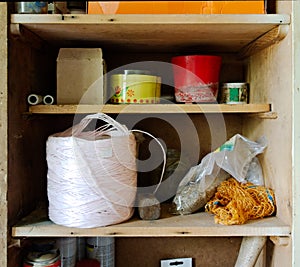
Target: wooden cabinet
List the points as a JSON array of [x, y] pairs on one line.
[[256, 48]]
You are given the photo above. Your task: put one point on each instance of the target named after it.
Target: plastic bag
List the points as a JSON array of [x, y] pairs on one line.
[[254, 174], [233, 158]]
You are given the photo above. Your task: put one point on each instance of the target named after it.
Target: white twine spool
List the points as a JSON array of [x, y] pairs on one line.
[[164, 155], [84, 191]]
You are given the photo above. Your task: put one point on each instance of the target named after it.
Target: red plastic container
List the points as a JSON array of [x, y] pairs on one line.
[[88, 263], [196, 78]]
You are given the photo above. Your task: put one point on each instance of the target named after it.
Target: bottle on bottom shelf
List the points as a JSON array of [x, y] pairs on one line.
[[67, 247], [101, 249], [81, 248]]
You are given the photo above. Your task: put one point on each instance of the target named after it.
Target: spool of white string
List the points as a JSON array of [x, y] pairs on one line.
[[91, 175], [92, 178]]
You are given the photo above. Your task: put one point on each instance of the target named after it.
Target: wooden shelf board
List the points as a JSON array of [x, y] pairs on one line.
[[150, 108], [198, 224], [170, 32]]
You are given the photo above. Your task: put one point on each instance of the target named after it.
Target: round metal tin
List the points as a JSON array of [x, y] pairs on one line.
[[234, 93]]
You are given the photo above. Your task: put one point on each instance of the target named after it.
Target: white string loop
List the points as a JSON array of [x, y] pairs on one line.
[[164, 155]]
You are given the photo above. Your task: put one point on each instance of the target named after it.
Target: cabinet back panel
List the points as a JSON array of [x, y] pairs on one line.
[[193, 135], [147, 252], [30, 71]]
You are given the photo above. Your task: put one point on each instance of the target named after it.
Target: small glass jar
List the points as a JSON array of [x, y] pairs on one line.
[[37, 7]]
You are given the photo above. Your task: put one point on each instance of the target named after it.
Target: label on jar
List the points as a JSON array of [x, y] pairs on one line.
[[55, 264]]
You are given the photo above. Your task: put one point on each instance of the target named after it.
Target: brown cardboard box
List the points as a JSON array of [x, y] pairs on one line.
[[80, 76], [177, 7]]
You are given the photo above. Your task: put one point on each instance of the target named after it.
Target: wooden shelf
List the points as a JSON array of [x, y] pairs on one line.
[[198, 224], [151, 108], [235, 33]]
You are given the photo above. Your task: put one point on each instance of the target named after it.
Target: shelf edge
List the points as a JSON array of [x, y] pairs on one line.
[[151, 18], [151, 108], [49, 229], [193, 225]]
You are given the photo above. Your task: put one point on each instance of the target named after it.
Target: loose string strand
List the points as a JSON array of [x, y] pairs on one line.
[[164, 155]]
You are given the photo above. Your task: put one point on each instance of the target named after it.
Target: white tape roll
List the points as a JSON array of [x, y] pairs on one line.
[[48, 100], [34, 99]]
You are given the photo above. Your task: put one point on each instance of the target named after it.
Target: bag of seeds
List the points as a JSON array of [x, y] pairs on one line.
[[233, 158]]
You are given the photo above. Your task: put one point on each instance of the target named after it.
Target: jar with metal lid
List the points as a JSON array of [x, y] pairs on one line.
[[40, 259], [37, 7], [234, 93]]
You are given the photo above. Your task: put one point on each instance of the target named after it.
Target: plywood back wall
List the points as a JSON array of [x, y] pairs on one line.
[[193, 135], [232, 69], [31, 70], [147, 252]]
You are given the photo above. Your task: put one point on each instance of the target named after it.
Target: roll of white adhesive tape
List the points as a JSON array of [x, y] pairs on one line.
[[48, 100], [34, 99]]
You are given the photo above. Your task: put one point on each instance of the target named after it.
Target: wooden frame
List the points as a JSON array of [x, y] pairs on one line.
[[3, 133], [253, 46]]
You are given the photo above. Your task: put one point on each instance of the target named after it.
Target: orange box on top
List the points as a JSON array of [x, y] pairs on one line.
[[177, 7]]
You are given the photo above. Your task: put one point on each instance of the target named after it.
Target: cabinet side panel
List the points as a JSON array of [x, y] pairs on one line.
[[271, 80], [296, 136], [3, 134], [270, 76]]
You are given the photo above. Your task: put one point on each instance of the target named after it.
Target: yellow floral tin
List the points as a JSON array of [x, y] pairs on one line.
[[135, 89]]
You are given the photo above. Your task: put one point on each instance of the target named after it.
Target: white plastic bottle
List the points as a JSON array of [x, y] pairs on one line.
[[81, 248], [68, 248], [101, 249]]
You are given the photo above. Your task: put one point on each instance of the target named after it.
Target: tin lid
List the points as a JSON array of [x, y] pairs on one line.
[[141, 72], [232, 84], [42, 257]]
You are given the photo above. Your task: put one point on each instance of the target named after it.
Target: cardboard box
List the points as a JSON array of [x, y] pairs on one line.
[[80, 76], [177, 7]]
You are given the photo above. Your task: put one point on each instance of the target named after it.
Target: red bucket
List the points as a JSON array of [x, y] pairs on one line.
[[196, 78]]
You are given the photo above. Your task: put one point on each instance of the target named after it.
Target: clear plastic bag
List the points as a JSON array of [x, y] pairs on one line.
[[233, 158], [254, 174]]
